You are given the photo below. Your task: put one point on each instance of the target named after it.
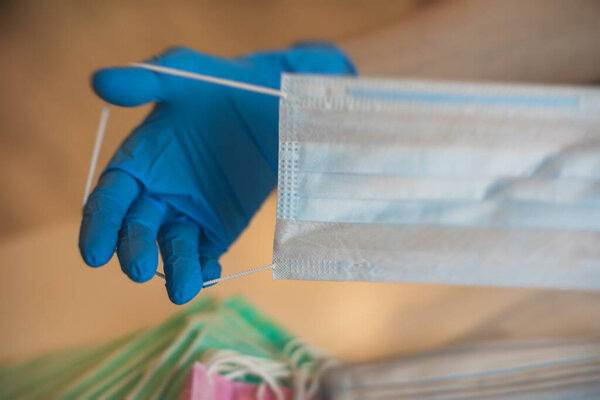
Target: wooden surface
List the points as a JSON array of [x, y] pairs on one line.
[[50, 300]]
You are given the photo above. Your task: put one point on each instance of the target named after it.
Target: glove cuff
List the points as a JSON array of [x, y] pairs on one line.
[[318, 57]]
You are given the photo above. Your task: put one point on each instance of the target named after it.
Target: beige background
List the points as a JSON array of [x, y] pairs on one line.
[[50, 300]]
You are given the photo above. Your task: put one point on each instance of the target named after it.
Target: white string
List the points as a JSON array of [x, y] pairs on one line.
[[211, 79], [227, 277], [184, 74], [305, 377], [234, 365], [169, 71], [96, 152]]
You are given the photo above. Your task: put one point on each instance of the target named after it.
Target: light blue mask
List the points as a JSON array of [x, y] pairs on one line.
[[453, 183]]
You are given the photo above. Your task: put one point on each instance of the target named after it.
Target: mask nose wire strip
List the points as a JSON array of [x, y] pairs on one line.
[[211, 79], [190, 75]]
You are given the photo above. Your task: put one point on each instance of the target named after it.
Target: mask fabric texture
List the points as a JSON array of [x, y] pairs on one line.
[[431, 182]]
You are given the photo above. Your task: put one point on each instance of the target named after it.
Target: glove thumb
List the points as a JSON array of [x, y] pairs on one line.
[[126, 87]]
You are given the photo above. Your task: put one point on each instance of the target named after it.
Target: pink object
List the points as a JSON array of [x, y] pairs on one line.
[[201, 386]]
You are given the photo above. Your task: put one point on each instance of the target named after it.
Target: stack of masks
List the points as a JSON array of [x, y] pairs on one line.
[[209, 351], [229, 351], [532, 369]]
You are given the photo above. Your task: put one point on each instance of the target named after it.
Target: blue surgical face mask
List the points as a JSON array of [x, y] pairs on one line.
[[409, 181]]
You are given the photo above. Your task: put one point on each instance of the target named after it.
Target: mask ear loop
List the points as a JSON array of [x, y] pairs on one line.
[[307, 376], [211, 79], [97, 146], [227, 277], [189, 75], [234, 365]]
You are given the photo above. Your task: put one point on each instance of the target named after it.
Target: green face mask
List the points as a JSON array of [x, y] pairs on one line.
[[154, 363]]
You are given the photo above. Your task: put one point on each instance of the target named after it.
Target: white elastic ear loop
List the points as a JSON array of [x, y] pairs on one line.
[[189, 75], [227, 277], [211, 79], [307, 377], [97, 146], [236, 364]]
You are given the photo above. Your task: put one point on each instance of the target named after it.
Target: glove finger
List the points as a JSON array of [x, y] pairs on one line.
[[125, 86], [134, 86], [211, 269], [137, 249], [103, 215], [178, 241]]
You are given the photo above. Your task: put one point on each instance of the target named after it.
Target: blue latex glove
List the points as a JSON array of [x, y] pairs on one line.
[[197, 168]]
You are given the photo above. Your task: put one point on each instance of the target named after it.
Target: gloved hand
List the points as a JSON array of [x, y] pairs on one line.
[[197, 168]]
